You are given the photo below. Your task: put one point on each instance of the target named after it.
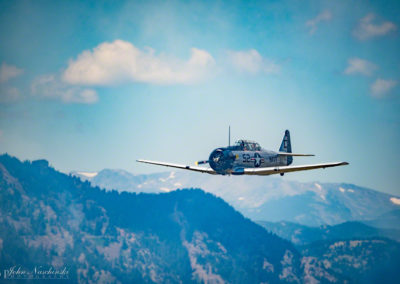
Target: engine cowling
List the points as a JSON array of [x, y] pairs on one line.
[[221, 160]]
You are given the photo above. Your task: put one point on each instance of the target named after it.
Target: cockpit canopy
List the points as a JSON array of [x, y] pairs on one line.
[[246, 145]]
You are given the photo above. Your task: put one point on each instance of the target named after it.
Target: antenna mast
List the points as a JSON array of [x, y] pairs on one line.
[[229, 140]]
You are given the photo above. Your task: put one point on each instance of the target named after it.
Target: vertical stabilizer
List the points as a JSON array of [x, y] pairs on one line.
[[286, 146]]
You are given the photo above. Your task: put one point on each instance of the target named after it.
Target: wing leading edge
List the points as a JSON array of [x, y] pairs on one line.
[[178, 166], [288, 169]]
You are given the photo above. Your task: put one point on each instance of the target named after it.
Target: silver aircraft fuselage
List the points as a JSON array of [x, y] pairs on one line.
[[245, 154]]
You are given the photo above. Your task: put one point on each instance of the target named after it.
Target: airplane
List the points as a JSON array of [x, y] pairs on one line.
[[248, 158]]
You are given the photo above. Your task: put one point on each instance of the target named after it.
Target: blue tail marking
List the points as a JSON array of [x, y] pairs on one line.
[[286, 146]]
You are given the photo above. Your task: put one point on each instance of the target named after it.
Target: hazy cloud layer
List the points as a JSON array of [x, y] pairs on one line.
[[51, 87], [359, 66], [313, 23], [368, 29], [121, 61], [8, 72], [380, 88], [252, 62]]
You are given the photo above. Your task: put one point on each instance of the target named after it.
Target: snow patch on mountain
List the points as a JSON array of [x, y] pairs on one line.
[[395, 200], [165, 189], [171, 176], [88, 174]]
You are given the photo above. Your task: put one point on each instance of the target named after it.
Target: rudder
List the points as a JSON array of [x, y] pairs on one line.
[[286, 146]]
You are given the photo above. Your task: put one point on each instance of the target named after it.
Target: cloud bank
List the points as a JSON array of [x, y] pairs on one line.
[[120, 61]]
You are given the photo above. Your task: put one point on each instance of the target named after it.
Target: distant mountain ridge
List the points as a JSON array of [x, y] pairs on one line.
[[189, 236], [186, 236], [304, 235], [266, 198]]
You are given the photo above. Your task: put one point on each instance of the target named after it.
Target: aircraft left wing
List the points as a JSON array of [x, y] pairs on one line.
[[190, 168], [288, 169]]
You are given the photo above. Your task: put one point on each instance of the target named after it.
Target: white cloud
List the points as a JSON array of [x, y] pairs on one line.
[[313, 23], [251, 61], [359, 66], [381, 87], [367, 29], [121, 61], [8, 94], [51, 87], [8, 72]]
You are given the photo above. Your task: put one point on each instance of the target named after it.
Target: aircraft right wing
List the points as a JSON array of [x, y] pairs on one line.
[[288, 169], [190, 168]]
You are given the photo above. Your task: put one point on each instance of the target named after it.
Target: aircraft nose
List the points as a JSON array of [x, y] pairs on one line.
[[221, 160]]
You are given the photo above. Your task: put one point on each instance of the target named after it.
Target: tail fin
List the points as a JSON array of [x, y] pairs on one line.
[[286, 146]]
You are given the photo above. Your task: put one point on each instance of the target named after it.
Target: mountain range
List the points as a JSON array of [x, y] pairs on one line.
[[270, 199], [50, 219]]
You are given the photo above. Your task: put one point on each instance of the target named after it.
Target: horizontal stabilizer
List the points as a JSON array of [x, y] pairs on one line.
[[294, 155]]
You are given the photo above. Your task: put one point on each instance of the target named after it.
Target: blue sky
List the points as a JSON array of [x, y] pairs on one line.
[[98, 85]]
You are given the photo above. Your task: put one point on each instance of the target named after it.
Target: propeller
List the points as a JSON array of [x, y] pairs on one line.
[[201, 162]]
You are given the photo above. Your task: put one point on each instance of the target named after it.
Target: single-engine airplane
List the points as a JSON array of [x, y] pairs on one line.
[[248, 158]]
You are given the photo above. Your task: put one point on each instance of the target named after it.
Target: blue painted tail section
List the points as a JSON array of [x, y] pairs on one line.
[[286, 147]]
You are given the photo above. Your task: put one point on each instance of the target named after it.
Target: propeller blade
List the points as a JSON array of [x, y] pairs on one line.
[[201, 162]]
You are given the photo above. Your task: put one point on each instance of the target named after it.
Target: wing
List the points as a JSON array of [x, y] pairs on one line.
[[190, 168], [288, 169]]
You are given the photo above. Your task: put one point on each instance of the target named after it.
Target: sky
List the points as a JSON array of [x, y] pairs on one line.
[[90, 85]]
